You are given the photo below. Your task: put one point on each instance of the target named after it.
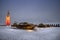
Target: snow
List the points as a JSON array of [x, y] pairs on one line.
[[7, 33]]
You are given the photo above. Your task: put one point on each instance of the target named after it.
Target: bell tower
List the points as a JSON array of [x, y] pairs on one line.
[[8, 19]]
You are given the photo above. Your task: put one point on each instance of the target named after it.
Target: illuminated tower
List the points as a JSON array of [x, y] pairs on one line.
[[8, 19]]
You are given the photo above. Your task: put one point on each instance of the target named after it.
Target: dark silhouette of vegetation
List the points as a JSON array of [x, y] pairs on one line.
[[24, 25], [30, 26], [41, 25]]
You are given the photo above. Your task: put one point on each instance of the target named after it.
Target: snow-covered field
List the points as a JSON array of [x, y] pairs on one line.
[[6, 33]]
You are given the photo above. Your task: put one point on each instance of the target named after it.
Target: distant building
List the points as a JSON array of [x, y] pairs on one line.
[[8, 19]]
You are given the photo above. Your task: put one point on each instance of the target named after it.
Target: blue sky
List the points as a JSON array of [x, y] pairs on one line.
[[33, 11]]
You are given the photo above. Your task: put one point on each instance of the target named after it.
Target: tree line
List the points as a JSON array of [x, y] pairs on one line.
[[26, 25]]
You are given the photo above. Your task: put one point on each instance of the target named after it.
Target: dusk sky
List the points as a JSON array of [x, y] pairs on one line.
[[32, 11]]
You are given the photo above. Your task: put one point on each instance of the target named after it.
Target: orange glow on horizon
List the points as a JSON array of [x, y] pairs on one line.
[[29, 30]]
